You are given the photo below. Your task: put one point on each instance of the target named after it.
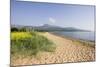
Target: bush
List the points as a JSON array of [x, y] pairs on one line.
[[29, 43], [14, 29]]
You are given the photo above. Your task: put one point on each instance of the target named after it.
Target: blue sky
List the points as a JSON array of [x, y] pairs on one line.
[[35, 14]]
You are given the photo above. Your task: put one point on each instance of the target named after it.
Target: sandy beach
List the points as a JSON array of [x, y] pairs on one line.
[[66, 51]]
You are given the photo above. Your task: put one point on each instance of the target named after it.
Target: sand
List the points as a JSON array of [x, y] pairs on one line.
[[66, 51]]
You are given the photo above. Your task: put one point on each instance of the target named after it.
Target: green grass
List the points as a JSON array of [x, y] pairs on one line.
[[84, 43], [29, 43]]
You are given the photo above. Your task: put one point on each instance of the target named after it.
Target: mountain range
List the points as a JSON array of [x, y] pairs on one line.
[[47, 27]]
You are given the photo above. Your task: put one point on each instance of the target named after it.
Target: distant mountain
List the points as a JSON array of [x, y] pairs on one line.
[[47, 27]]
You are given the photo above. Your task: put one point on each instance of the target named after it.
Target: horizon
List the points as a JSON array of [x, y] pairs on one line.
[[51, 25], [63, 15]]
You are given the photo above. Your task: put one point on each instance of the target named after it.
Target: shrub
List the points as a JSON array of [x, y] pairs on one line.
[[29, 43], [14, 29]]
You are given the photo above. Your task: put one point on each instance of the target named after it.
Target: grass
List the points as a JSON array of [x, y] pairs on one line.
[[84, 43], [29, 43]]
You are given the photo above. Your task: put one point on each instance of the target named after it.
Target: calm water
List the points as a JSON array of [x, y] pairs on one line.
[[79, 35]]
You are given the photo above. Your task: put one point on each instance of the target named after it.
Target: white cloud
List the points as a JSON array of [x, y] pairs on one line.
[[52, 20]]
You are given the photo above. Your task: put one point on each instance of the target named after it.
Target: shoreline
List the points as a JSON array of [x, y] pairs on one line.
[[66, 51], [70, 37], [90, 43]]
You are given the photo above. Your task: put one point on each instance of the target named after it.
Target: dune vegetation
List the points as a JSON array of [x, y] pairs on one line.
[[29, 43]]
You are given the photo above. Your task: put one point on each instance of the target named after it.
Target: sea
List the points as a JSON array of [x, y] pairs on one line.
[[77, 34]]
